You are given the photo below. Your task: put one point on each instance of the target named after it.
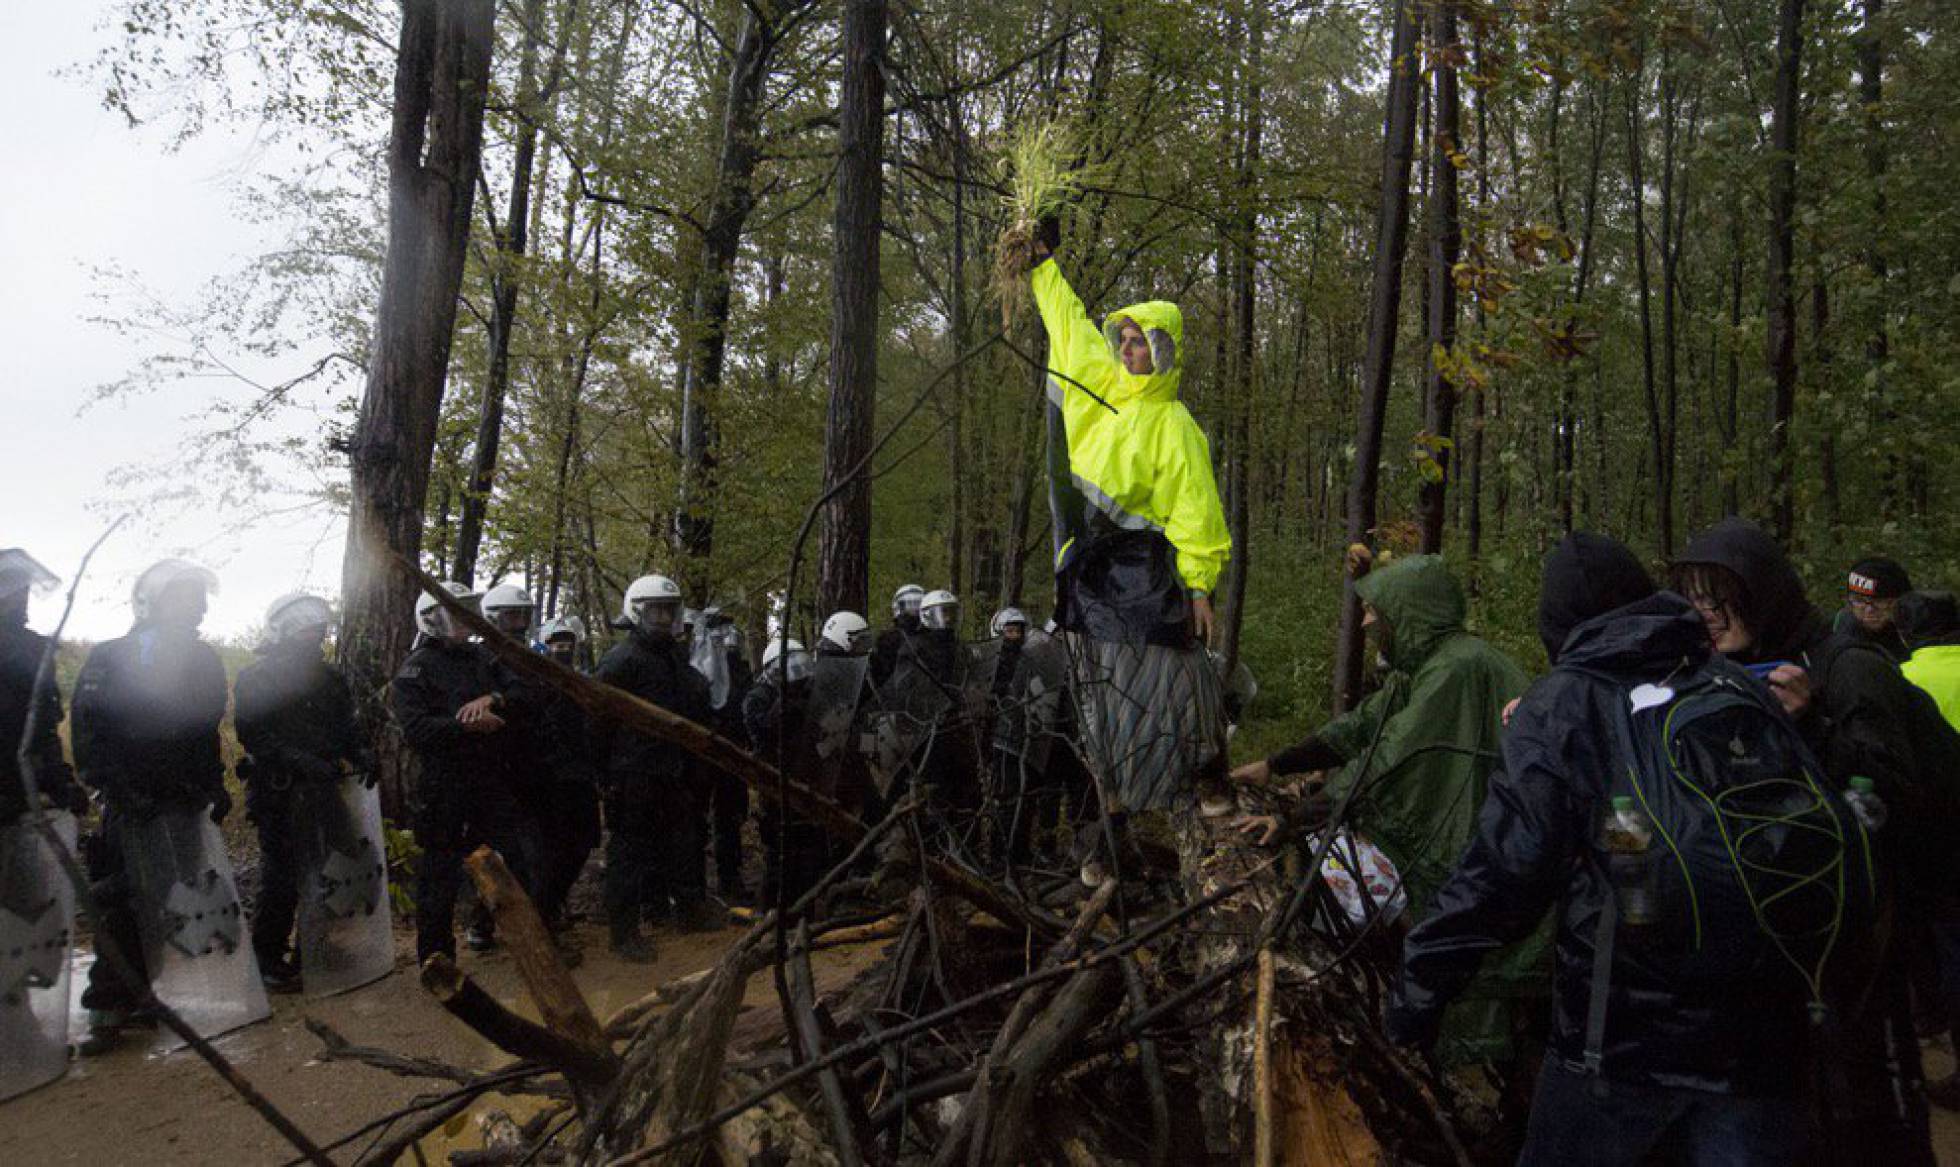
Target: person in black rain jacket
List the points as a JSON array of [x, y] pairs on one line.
[[1711, 1070]]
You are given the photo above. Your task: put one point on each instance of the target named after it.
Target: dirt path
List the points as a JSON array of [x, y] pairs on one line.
[[132, 1106]]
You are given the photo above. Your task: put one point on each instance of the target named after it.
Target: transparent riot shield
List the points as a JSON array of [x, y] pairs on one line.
[[194, 935], [346, 938], [836, 685], [37, 917]]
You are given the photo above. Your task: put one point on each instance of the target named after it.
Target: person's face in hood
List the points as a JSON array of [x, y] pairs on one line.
[[1378, 630], [562, 649], [1417, 605], [1717, 596], [1133, 348]]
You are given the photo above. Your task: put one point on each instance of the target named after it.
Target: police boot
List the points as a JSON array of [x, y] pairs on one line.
[[629, 945]]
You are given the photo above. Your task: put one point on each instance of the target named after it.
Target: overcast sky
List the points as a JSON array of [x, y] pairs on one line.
[[80, 191]]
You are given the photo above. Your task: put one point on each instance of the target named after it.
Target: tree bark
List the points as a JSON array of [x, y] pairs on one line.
[[1245, 294], [844, 543], [442, 72], [1384, 311], [704, 330], [1878, 343], [1445, 243], [1785, 111]]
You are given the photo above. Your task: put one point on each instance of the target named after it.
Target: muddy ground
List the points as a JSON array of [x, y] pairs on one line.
[[135, 1106]]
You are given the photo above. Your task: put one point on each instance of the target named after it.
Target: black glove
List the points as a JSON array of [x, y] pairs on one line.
[[220, 806], [1048, 233]]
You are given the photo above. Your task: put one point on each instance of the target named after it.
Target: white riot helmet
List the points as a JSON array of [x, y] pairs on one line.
[[847, 632], [21, 572], [647, 599], [507, 599], [570, 626], [906, 600], [292, 612], [429, 616], [1007, 616], [940, 610], [161, 576], [795, 660]]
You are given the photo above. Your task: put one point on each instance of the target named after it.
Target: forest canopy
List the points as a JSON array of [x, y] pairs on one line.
[[1666, 260]]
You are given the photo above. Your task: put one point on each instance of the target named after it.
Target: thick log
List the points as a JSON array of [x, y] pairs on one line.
[[809, 1036], [469, 1003], [529, 942], [1000, 1136], [1318, 1121]]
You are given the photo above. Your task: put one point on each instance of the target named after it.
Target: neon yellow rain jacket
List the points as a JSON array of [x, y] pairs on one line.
[[1136, 454]]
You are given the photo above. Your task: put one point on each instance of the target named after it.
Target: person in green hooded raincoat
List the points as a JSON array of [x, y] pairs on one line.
[[1418, 754], [1140, 541]]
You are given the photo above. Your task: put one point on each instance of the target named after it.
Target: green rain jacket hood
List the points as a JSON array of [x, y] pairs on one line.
[[1134, 451], [1422, 749], [1422, 604]]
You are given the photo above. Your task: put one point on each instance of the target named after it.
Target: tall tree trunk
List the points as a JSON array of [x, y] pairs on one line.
[[844, 547], [704, 331], [512, 242], [1475, 523], [1384, 311], [1785, 110], [442, 71], [1445, 243], [1878, 343], [1245, 293], [1732, 402], [1656, 425]]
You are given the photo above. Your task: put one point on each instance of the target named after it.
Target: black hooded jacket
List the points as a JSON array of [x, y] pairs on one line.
[[1865, 719], [1741, 1034]]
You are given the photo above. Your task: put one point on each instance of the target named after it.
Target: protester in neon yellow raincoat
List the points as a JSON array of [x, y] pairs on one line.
[[1135, 455], [1140, 540]]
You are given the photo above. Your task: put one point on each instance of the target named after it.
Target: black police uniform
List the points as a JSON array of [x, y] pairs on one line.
[[145, 732], [20, 661], [656, 799], [468, 792], [731, 794], [776, 715], [295, 720], [564, 802]]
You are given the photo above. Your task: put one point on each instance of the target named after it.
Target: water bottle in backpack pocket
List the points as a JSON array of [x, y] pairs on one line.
[[1753, 865]]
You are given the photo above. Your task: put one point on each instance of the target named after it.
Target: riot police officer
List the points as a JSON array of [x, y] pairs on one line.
[[145, 731], [461, 710], [566, 799], [905, 626], [21, 649], [656, 798], [795, 850], [295, 720]]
